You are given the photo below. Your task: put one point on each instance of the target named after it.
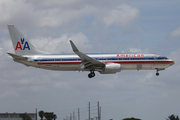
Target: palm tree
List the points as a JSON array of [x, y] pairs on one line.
[[54, 117], [172, 117], [41, 114], [49, 115]]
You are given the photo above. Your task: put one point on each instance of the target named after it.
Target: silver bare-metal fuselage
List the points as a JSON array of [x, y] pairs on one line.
[[72, 62]]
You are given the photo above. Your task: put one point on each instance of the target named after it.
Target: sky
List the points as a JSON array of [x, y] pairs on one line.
[[101, 26]]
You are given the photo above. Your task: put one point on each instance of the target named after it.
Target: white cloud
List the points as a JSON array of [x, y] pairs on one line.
[[9, 93], [7, 7], [174, 34], [17, 11], [1, 51], [58, 13], [62, 44], [61, 3], [175, 56], [146, 78], [135, 50], [58, 17], [62, 85], [122, 15], [20, 11]]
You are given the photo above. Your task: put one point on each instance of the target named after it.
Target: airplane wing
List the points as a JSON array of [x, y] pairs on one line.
[[88, 62], [17, 57]]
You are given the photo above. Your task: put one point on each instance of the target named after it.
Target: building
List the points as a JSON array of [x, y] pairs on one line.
[[15, 116]]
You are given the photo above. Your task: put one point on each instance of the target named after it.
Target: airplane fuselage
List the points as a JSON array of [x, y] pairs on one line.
[[72, 62], [28, 55]]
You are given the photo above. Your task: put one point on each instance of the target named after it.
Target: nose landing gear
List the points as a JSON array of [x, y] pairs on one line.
[[157, 73], [91, 74]]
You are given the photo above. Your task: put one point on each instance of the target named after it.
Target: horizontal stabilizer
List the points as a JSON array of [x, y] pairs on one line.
[[17, 57]]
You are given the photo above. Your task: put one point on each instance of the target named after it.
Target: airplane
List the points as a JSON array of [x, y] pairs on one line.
[[27, 54]]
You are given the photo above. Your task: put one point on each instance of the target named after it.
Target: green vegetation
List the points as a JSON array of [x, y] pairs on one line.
[[172, 117], [25, 116], [47, 115], [41, 114], [131, 118]]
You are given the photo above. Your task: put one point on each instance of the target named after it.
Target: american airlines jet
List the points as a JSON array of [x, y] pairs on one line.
[[27, 54]]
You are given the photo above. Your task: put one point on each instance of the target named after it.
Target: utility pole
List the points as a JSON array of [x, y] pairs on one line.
[[78, 114], [98, 110], [89, 111], [73, 115], [70, 116], [100, 113], [36, 113]]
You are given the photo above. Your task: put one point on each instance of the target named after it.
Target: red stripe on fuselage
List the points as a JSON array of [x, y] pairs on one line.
[[141, 62], [47, 63]]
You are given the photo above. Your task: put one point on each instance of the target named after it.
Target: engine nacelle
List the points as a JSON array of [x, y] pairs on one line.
[[111, 68]]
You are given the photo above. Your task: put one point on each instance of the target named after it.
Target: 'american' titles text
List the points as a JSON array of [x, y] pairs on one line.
[[130, 55]]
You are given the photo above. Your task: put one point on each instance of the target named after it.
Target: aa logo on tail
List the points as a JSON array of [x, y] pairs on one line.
[[22, 43]]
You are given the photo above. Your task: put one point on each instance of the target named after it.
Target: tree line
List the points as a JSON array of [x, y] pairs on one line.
[[171, 117], [52, 116]]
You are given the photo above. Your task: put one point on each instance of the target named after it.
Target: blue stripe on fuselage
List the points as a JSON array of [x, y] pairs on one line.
[[100, 58]]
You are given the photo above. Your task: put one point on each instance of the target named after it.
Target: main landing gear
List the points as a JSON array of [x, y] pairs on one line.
[[91, 74], [157, 73]]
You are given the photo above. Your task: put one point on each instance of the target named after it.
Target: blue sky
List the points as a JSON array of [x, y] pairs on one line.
[[121, 26]]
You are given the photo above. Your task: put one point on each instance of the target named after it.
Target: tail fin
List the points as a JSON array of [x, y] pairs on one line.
[[20, 43]]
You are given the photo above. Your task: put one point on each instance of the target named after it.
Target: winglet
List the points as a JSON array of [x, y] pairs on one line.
[[85, 57], [73, 47]]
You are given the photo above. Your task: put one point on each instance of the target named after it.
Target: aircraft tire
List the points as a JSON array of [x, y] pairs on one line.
[[157, 74], [89, 75], [92, 74]]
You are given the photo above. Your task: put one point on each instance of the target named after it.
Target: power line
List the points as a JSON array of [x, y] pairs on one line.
[[81, 112]]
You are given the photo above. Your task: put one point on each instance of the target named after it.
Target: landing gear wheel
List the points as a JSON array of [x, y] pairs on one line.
[[91, 74], [157, 74]]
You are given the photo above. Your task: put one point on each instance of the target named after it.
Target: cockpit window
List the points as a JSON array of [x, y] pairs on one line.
[[164, 58]]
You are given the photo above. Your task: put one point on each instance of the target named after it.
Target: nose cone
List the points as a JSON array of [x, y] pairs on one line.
[[171, 62]]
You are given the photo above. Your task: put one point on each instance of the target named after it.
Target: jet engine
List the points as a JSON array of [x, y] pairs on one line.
[[111, 68]]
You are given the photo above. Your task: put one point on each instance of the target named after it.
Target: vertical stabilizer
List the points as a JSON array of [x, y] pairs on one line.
[[21, 44]]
